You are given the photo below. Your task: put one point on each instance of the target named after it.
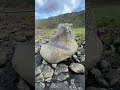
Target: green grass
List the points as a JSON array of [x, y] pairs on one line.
[[48, 33], [79, 32], [107, 15]]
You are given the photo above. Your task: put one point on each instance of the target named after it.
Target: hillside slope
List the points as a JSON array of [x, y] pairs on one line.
[[77, 18]]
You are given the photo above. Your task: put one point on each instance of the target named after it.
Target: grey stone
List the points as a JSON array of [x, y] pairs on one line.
[[47, 71], [48, 79], [57, 49], [77, 67], [104, 64], [39, 78], [59, 86], [75, 57], [44, 62], [54, 65], [102, 82], [96, 72], [39, 69], [23, 55], [94, 46], [61, 68], [39, 86], [36, 49], [82, 58], [62, 76]]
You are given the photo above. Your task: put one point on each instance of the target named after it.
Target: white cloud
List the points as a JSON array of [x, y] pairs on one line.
[[40, 2], [67, 10], [48, 8]]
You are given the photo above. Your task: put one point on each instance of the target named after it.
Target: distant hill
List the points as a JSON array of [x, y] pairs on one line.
[[77, 18]]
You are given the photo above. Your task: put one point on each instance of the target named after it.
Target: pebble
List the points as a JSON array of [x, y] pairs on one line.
[[75, 57], [62, 76], [39, 86], [44, 62], [54, 65], [61, 68], [77, 67], [39, 69], [48, 71]]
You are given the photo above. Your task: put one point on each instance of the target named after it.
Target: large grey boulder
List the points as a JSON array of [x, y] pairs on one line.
[[61, 46], [23, 62], [94, 46]]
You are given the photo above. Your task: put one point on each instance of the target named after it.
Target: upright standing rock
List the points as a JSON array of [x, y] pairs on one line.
[[61, 46], [94, 46], [23, 61]]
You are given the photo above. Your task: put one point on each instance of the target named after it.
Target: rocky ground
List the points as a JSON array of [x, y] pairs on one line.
[[14, 29], [106, 74], [66, 75]]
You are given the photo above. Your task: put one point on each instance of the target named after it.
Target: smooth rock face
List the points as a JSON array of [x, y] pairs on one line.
[[61, 46], [23, 62]]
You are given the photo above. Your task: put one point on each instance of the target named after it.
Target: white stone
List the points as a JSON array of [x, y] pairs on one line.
[[54, 65]]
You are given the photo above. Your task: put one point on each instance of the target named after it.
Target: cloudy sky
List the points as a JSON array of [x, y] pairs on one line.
[[48, 8]]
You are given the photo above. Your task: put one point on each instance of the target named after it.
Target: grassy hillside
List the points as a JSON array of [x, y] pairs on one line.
[[107, 15], [77, 18]]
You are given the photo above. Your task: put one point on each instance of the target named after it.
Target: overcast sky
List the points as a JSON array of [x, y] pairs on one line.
[[48, 8]]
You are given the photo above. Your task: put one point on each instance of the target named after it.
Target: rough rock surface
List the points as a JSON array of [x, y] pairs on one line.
[[63, 78], [61, 46]]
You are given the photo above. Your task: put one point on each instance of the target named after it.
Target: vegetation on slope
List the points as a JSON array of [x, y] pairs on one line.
[[76, 18]]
